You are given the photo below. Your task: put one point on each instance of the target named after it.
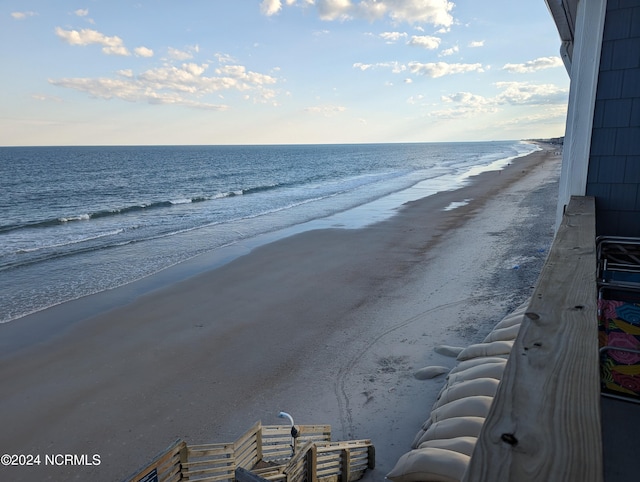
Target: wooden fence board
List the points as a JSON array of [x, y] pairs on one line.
[[210, 450], [163, 463], [249, 434]]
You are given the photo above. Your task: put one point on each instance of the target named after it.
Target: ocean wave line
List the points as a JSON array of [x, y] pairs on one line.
[[116, 244], [62, 220], [115, 232]]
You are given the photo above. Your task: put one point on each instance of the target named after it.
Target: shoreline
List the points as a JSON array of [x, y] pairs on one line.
[[328, 325], [53, 320], [158, 261]]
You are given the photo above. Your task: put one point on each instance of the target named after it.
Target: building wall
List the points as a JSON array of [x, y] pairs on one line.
[[614, 160]]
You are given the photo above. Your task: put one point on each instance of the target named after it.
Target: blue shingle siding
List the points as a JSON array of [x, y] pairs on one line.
[[593, 171], [606, 55], [611, 170], [614, 160], [635, 113], [627, 141], [630, 82], [634, 30], [616, 113], [610, 84], [618, 25], [626, 54], [602, 193], [609, 223], [603, 142], [637, 204], [632, 169], [629, 223], [623, 196]]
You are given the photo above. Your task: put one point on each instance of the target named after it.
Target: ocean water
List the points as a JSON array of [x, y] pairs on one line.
[[79, 220]]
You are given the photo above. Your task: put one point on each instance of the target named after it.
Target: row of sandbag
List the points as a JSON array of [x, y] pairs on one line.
[[443, 446]]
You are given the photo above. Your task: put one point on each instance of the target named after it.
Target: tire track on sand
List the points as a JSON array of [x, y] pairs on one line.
[[344, 409]]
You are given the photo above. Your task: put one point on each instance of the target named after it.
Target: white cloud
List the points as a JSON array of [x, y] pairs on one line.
[[270, 7], [180, 85], [440, 69], [553, 99], [143, 52], [82, 12], [467, 105], [45, 97], [395, 67], [550, 113], [467, 98], [450, 51], [433, 70], [182, 54], [23, 15], [363, 67], [225, 59], [334, 9], [476, 44], [527, 93], [435, 12], [326, 110], [392, 37], [425, 41], [110, 45], [534, 65]]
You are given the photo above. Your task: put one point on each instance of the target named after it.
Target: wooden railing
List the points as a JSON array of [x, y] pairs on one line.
[[264, 452], [166, 466], [544, 423], [339, 461]]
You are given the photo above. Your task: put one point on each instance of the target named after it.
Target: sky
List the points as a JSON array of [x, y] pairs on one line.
[[204, 72]]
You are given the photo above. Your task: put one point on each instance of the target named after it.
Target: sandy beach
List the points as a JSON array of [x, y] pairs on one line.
[[328, 325]]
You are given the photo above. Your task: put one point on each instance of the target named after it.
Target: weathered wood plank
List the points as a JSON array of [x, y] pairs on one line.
[[162, 462], [312, 462], [219, 450], [249, 435], [544, 423]]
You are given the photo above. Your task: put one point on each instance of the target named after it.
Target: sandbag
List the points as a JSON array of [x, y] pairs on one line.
[[463, 445], [430, 465], [515, 317], [475, 406], [453, 427], [453, 377], [416, 439], [478, 386], [447, 350], [503, 334], [509, 321], [430, 372], [485, 349], [486, 370], [472, 362], [427, 423], [470, 406]]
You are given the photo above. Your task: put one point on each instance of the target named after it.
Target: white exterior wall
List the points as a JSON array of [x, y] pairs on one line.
[[582, 97]]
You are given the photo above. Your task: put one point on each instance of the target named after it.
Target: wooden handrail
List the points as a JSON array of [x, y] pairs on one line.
[[544, 423]]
